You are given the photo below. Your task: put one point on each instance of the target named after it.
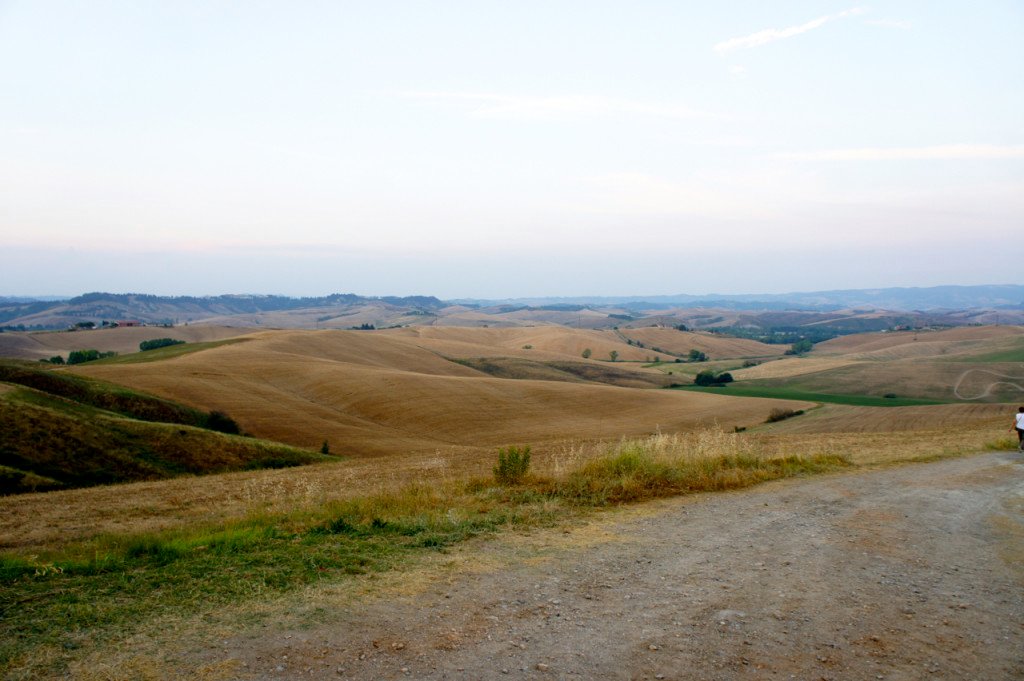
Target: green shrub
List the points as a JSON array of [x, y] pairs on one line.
[[586, 353], [513, 465]]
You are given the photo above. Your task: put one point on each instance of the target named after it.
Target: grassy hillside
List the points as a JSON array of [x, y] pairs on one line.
[[67, 431]]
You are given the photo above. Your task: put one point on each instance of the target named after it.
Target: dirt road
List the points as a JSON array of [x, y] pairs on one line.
[[914, 572]]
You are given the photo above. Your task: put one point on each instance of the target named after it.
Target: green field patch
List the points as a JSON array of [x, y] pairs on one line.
[[169, 352], [1010, 354], [807, 396]]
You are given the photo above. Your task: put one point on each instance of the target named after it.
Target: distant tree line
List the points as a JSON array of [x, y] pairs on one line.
[[80, 356], [158, 343]]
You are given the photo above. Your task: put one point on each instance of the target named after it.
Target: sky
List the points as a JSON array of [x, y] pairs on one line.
[[509, 149]]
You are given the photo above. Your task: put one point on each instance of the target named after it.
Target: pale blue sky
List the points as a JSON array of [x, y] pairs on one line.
[[501, 149]]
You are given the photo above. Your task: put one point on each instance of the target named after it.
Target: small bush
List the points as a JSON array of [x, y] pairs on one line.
[[779, 414], [325, 448], [889, 396], [586, 353], [513, 465]]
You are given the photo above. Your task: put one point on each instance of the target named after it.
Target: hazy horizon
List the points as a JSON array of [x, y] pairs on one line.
[[497, 150]]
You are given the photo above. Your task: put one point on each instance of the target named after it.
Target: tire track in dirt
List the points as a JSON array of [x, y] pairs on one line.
[[990, 387], [897, 573]]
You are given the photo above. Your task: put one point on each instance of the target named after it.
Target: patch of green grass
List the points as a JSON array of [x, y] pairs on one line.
[[739, 390], [168, 352]]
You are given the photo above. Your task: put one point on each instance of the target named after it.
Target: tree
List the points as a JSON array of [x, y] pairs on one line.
[[586, 353], [697, 356], [325, 448], [614, 354]]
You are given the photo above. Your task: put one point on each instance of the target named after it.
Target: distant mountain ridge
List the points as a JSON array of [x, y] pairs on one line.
[[898, 299], [955, 304]]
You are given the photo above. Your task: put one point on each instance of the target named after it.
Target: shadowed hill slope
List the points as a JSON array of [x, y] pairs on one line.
[[62, 431]]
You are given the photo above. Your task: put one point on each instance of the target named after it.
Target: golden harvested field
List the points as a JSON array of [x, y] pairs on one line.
[[123, 340], [786, 368], [948, 338], [377, 393], [547, 342], [715, 346], [841, 418], [402, 412]]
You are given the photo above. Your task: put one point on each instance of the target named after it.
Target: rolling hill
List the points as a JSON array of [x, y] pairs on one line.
[[376, 393]]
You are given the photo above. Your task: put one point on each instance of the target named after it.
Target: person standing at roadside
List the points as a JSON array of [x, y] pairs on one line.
[[1018, 424]]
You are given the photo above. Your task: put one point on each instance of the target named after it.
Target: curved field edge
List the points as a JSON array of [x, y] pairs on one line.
[[61, 606]]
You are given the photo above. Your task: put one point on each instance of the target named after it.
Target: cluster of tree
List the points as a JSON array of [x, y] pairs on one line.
[[80, 356], [800, 347], [709, 377], [681, 327], [697, 356], [363, 327], [783, 335], [158, 343]]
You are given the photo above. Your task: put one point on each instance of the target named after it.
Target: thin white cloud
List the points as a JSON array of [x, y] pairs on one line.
[[935, 153], [564, 107], [770, 35]]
